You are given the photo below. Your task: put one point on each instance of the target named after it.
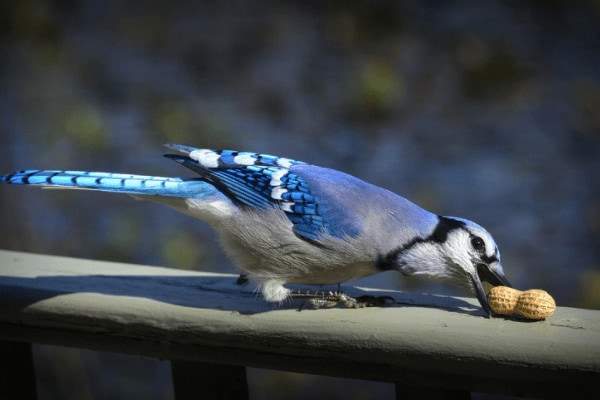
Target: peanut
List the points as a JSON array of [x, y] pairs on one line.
[[531, 304]]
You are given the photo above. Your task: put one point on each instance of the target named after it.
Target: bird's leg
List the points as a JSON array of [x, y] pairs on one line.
[[242, 279], [318, 299]]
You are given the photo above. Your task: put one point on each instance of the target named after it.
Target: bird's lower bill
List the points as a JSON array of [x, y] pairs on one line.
[[486, 274]]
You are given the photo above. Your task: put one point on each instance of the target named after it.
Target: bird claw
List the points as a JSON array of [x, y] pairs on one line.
[[333, 298], [375, 301]]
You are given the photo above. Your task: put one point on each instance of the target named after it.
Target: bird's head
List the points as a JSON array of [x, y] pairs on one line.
[[473, 256], [458, 251]]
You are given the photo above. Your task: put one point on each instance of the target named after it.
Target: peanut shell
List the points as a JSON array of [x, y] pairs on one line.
[[531, 304]]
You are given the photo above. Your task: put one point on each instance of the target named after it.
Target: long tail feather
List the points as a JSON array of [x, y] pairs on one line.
[[111, 182]]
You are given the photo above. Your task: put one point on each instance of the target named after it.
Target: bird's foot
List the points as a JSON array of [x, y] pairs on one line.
[[333, 298]]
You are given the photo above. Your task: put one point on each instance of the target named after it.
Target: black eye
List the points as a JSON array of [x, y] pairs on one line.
[[478, 244]]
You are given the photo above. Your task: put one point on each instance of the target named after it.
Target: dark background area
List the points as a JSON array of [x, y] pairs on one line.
[[484, 110]]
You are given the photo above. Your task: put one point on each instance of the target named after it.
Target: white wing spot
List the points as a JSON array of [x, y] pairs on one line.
[[244, 159], [287, 206], [276, 177], [206, 158], [284, 162], [277, 192]]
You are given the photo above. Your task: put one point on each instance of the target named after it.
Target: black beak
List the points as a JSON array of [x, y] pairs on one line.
[[486, 274]]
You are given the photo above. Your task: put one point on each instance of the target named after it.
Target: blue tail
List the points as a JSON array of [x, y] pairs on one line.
[[110, 182]]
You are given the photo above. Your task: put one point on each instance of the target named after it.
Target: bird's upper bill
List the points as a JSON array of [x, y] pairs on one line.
[[486, 274]]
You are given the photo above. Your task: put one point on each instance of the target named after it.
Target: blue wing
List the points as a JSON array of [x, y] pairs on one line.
[[260, 181], [305, 193]]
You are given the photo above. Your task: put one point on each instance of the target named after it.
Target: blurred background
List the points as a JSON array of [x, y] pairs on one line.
[[484, 110]]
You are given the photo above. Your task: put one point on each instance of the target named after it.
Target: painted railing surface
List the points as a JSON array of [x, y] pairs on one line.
[[212, 328]]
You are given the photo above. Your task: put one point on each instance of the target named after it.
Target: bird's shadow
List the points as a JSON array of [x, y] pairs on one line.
[[209, 291]]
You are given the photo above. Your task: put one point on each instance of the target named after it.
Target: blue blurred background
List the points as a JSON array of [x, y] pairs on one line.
[[484, 110]]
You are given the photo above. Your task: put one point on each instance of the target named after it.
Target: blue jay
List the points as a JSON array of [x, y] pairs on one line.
[[284, 221]]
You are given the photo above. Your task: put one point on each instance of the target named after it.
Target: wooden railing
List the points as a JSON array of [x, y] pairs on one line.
[[211, 329]]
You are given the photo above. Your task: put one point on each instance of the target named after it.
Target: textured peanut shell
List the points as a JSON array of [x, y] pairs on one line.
[[502, 299], [535, 304], [531, 304]]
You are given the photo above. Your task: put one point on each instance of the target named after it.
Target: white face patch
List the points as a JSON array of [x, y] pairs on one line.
[[475, 230], [206, 158]]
